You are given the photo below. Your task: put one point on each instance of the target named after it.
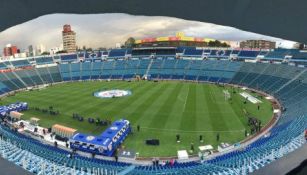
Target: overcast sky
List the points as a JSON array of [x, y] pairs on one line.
[[105, 30]]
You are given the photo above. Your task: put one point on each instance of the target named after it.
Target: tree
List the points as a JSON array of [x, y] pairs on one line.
[[130, 42], [102, 48], [89, 49], [217, 43], [61, 51], [225, 45], [45, 53]]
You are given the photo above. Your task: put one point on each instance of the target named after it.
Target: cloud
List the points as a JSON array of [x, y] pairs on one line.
[[105, 30]]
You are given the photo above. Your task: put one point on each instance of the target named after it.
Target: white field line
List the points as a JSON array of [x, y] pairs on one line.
[[190, 131], [229, 111], [186, 98]]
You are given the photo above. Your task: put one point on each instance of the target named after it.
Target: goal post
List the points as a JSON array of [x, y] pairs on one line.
[[226, 94]]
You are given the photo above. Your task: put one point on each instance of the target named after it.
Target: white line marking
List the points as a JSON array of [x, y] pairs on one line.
[[186, 98], [188, 131]]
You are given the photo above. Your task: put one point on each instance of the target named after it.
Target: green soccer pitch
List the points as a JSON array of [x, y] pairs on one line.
[[162, 109]]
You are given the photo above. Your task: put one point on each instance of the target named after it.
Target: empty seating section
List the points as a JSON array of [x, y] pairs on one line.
[[165, 52], [169, 64], [214, 53], [226, 53], [192, 52], [300, 55], [107, 69], [55, 73], [8, 83], [44, 60], [86, 70], [288, 71], [117, 53], [16, 81], [25, 78], [277, 54], [69, 58], [263, 53], [96, 70], [157, 64], [119, 69], [87, 55], [235, 52], [98, 54], [82, 55], [131, 68], [207, 51], [144, 63], [182, 64], [265, 76], [155, 68], [266, 148], [105, 53], [75, 71], [3, 88], [286, 83], [20, 63], [248, 73], [248, 54], [3, 66], [45, 75], [202, 70], [294, 55], [221, 71], [35, 77], [180, 49], [220, 53], [192, 70], [282, 75], [65, 72]]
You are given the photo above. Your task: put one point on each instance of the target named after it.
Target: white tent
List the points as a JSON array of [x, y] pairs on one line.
[[182, 155]]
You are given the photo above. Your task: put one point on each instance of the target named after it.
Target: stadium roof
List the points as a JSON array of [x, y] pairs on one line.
[[275, 18]]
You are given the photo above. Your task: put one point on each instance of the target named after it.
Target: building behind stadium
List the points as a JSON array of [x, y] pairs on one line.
[[180, 40], [69, 39], [258, 44]]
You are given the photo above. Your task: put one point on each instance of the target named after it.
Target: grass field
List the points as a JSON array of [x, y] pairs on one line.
[[162, 109]]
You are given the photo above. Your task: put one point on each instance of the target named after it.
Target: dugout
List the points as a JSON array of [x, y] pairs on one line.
[[34, 121], [63, 131], [15, 116]]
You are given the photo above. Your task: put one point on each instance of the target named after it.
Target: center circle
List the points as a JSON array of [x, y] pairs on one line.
[[112, 93]]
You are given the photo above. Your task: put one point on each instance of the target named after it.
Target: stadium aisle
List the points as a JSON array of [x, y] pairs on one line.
[[8, 168], [284, 164]]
